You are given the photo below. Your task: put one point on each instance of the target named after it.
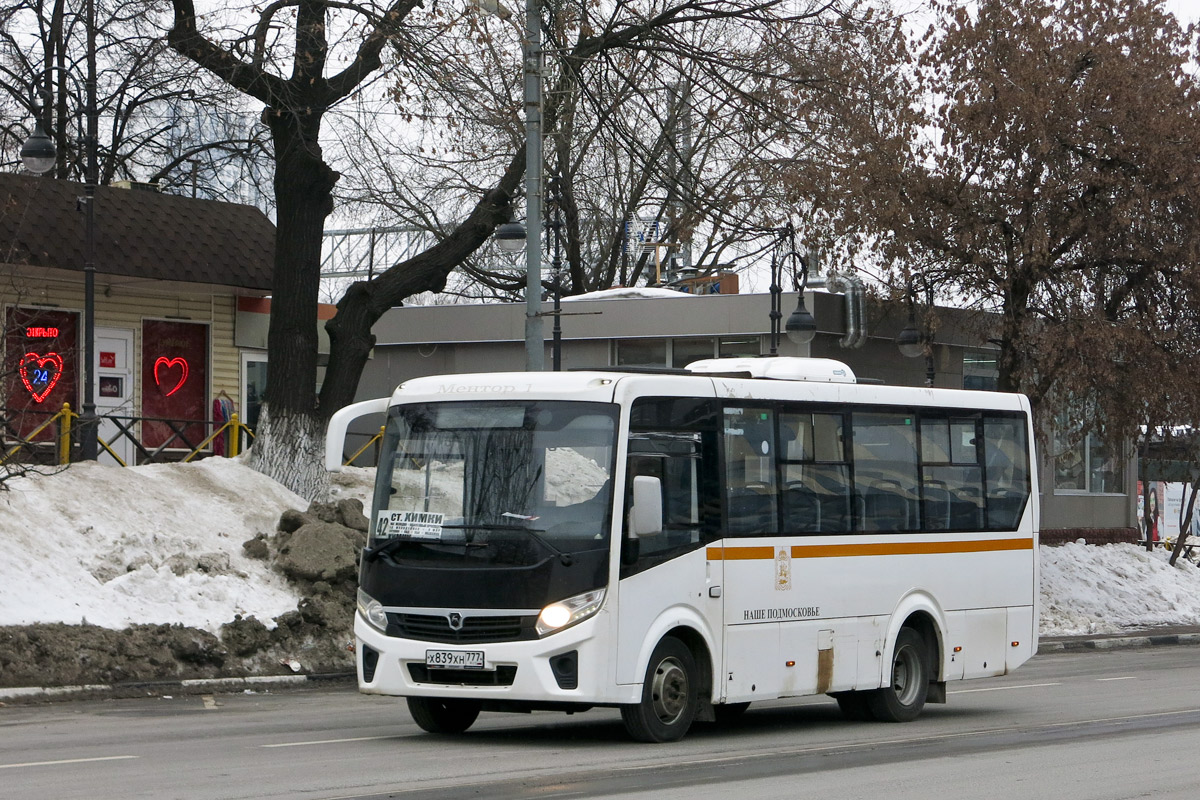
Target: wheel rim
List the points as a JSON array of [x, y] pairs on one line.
[[669, 691], [906, 675]]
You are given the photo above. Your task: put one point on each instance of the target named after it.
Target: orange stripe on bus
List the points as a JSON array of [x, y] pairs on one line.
[[870, 549]]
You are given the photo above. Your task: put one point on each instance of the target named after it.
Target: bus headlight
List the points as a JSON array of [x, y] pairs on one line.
[[564, 613], [372, 611]]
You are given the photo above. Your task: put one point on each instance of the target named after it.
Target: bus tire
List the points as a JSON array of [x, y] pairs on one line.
[[442, 715], [903, 697], [670, 695], [855, 706]]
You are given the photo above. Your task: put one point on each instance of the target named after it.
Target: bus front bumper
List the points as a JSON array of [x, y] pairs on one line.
[[563, 667]]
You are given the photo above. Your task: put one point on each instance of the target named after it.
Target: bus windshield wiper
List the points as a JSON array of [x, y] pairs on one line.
[[384, 547], [535, 533]]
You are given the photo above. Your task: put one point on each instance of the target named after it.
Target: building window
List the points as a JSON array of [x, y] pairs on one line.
[[1087, 464], [981, 369], [686, 350], [740, 347], [641, 353], [680, 352]]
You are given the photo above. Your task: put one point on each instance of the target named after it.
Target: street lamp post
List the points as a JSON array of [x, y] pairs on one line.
[[39, 157], [801, 327], [535, 355]]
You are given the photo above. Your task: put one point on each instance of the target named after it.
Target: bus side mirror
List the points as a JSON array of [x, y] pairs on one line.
[[645, 518], [335, 433]]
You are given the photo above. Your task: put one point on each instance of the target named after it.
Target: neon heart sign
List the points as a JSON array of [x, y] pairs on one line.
[[169, 363], [39, 380]]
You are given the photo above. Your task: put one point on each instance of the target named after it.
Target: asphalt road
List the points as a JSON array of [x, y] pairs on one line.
[[1095, 725]]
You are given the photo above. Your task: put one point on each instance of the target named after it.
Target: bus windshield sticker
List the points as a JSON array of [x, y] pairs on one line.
[[408, 525]]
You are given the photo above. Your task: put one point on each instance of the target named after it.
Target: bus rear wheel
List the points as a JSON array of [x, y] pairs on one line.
[[670, 695], [440, 715], [903, 697]]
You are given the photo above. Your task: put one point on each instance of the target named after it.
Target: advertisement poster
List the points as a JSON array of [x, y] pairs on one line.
[[40, 367], [174, 382], [1168, 501]]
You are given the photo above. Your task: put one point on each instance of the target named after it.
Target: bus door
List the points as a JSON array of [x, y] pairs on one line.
[[672, 577]]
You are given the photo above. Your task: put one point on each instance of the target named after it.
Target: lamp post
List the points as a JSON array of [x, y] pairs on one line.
[[39, 157], [535, 348], [531, 58], [801, 327], [511, 237]]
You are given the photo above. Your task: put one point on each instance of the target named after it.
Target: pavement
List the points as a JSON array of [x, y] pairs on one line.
[[1153, 637], [1150, 637]]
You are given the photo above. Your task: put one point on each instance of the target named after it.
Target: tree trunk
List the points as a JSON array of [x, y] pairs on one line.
[[290, 448], [304, 197]]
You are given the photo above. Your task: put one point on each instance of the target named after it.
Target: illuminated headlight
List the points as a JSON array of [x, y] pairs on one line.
[[372, 610], [564, 613]]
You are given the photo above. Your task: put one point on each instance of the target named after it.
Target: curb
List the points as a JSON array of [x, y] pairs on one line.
[[1119, 642], [182, 687]]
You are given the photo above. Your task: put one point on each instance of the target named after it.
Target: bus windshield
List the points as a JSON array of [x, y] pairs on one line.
[[482, 483]]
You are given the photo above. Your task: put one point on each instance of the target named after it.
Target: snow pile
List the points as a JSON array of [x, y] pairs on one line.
[[628, 293], [161, 543], [1089, 589]]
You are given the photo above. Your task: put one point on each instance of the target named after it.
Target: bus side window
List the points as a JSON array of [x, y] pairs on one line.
[[1007, 487], [676, 460], [885, 470], [750, 459], [816, 478]]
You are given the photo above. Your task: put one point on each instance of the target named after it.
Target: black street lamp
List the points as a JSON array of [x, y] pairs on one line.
[[800, 327], [38, 155]]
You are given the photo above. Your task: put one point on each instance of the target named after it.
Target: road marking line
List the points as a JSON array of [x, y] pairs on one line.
[[331, 741], [881, 742], [210, 702], [1125, 678], [1003, 688], [65, 761]]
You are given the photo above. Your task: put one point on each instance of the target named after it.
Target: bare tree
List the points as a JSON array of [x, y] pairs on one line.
[[336, 49], [160, 120]]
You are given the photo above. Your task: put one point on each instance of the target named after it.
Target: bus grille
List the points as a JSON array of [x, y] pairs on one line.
[[501, 676], [475, 630]]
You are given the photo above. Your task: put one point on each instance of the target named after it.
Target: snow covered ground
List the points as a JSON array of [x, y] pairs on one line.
[[163, 544]]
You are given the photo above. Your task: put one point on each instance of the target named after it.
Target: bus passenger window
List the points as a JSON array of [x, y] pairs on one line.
[[1007, 471], [816, 480], [885, 470], [750, 458]]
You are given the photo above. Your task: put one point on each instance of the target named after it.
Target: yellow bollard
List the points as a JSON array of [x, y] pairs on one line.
[[64, 435], [234, 430]]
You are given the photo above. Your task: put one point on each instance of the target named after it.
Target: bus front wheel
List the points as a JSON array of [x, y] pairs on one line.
[[670, 695], [903, 697], [439, 715]]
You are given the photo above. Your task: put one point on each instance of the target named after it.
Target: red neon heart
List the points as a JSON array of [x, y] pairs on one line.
[[49, 358], [163, 361]]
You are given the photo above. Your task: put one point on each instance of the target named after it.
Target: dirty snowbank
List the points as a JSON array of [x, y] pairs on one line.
[[160, 543], [1109, 588]]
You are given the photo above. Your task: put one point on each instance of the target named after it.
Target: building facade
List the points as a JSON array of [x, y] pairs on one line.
[[169, 273]]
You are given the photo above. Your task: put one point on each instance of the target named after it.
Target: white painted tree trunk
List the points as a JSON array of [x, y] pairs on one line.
[[290, 449]]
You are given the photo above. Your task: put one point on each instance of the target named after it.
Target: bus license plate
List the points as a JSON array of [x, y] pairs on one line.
[[454, 659]]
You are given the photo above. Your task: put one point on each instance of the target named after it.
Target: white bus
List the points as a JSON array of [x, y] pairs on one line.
[[681, 543]]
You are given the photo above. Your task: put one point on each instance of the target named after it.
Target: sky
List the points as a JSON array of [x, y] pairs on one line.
[[162, 543]]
